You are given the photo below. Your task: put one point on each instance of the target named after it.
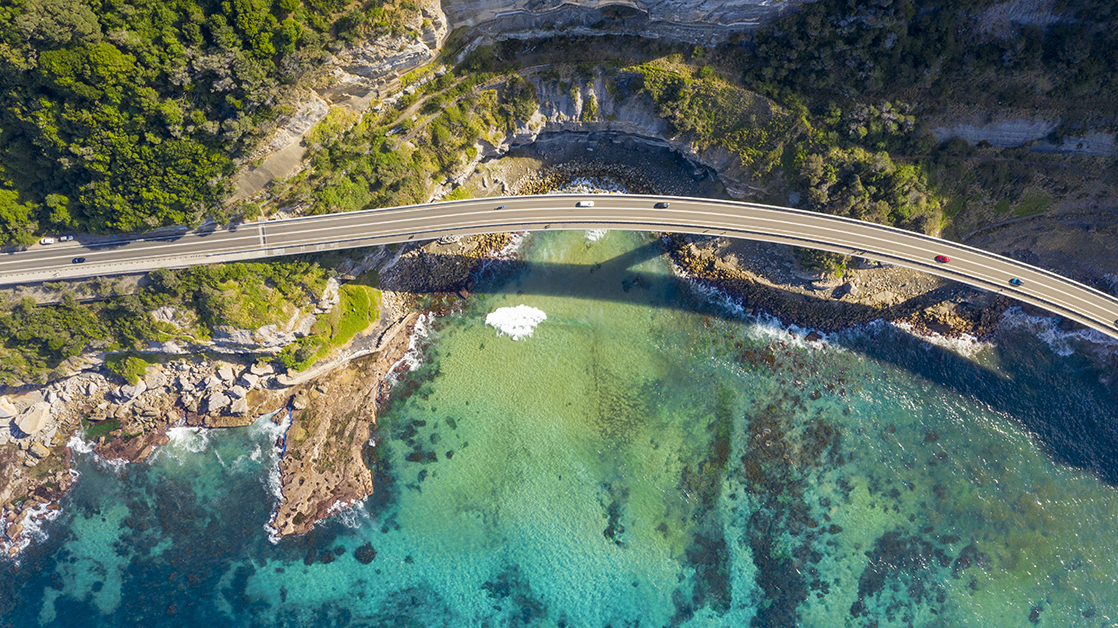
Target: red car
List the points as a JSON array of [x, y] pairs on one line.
[[942, 259]]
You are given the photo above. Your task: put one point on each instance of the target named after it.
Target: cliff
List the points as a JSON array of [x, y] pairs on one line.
[[702, 21]]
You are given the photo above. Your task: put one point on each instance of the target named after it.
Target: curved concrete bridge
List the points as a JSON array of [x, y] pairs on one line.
[[975, 267]]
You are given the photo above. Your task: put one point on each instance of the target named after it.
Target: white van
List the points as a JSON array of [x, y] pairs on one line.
[[584, 204]]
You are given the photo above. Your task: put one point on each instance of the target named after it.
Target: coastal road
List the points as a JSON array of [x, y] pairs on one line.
[[784, 225]]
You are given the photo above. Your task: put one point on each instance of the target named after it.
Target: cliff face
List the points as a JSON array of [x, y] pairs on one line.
[[694, 21]]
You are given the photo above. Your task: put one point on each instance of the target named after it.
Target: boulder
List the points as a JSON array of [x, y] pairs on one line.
[[34, 418], [211, 382], [155, 379], [239, 407], [261, 369], [129, 391], [7, 408], [14, 531], [214, 402], [38, 450], [249, 380], [238, 392], [226, 373]]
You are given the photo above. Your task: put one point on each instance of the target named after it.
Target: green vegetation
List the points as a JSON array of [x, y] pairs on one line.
[[382, 160], [130, 366], [786, 144], [125, 115], [359, 308], [37, 341], [838, 49]]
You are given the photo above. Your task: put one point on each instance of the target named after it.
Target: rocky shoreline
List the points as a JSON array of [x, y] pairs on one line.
[[332, 407], [328, 444]]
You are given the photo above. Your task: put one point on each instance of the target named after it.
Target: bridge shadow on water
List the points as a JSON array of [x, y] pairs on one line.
[[1060, 400]]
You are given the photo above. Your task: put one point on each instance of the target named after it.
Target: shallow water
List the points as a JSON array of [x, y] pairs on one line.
[[642, 459]]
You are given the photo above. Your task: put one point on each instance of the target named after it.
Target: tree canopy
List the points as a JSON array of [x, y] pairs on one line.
[[121, 115]]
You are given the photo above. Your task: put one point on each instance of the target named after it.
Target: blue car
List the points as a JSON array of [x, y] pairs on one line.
[[1015, 282]]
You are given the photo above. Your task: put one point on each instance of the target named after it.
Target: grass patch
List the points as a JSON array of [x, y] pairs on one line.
[[359, 308], [130, 366], [1032, 205], [1002, 206], [459, 194]]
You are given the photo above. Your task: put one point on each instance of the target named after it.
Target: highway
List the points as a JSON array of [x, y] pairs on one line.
[[968, 265]]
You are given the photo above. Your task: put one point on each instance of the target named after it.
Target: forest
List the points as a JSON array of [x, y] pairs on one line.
[[122, 115]]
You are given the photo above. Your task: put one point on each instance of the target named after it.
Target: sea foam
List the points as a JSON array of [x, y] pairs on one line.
[[516, 322]]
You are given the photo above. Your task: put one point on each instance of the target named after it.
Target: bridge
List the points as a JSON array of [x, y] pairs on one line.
[[261, 240]]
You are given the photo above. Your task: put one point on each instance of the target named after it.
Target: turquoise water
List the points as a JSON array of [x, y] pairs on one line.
[[643, 459]]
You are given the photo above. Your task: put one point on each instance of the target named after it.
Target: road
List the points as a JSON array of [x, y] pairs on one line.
[[534, 213]]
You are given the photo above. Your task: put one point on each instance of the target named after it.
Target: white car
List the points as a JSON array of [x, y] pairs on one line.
[[66, 238], [584, 204], [46, 241]]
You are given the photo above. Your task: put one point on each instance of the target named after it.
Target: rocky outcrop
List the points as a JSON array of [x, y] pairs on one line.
[[695, 21], [328, 444], [867, 292]]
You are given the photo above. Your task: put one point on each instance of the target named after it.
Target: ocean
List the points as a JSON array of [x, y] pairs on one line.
[[593, 441]]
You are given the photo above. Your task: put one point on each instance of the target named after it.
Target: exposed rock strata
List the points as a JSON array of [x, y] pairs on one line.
[[696, 21]]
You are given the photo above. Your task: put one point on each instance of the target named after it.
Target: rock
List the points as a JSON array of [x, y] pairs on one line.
[[34, 418], [39, 450], [249, 380], [239, 407], [211, 382], [91, 389], [214, 402], [226, 373], [155, 379], [7, 408], [814, 336], [129, 391], [299, 402], [15, 530], [237, 392], [365, 554], [183, 384], [261, 369]]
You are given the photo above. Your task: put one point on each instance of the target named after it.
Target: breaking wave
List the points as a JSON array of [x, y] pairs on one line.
[[516, 322]]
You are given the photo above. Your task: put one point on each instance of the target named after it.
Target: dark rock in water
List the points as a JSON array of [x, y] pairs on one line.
[[326, 558], [1090, 612], [311, 557], [1034, 614], [365, 554], [814, 336], [968, 557], [931, 437]]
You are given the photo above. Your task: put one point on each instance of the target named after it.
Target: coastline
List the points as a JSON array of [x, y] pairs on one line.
[[333, 406]]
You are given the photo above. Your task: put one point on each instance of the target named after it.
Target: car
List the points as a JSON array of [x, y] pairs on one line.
[[584, 204], [47, 241], [78, 260], [66, 238], [1015, 282], [661, 205], [942, 259], [498, 207]]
